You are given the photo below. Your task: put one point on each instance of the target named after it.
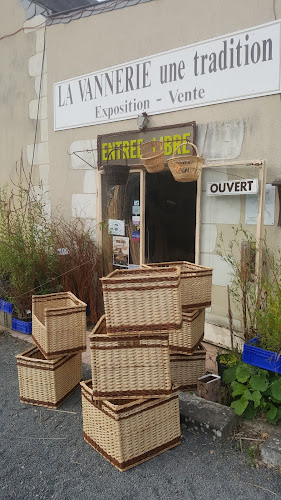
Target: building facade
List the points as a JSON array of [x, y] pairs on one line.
[[71, 77]]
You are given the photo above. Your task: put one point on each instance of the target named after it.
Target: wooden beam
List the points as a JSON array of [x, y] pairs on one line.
[[260, 227], [198, 220], [99, 208], [142, 217]]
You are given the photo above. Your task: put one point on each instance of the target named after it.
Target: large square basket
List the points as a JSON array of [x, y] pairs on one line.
[[58, 323], [191, 334], [128, 433], [45, 382], [142, 300], [129, 366], [185, 370], [195, 285]]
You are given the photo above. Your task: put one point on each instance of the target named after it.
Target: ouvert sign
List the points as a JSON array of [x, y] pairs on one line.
[[237, 66]]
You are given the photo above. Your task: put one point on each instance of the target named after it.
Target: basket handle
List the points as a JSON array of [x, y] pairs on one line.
[[114, 149], [188, 142]]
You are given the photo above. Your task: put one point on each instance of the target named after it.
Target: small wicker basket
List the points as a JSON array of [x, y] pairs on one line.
[[185, 370], [142, 300], [191, 334], [129, 366], [152, 156], [196, 283], [58, 323], [129, 433], [45, 382], [116, 174], [186, 168]]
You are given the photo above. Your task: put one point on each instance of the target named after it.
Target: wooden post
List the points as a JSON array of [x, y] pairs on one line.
[[142, 217], [260, 227], [198, 219], [99, 209]]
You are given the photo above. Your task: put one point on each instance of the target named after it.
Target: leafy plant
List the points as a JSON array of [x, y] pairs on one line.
[[228, 358], [258, 300], [254, 391], [29, 260]]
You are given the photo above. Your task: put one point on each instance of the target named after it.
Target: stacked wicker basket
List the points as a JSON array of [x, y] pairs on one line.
[[130, 407], [188, 356], [50, 372]]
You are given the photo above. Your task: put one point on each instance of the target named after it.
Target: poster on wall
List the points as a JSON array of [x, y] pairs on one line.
[[116, 227], [230, 67], [120, 251], [269, 207]]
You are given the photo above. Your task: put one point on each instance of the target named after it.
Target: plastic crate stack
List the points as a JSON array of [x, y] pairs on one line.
[[51, 371], [130, 407], [188, 356]]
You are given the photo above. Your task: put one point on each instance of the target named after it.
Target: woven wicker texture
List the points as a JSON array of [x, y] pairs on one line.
[[187, 339], [185, 370], [58, 323], [47, 383], [129, 366], [127, 434], [142, 300], [196, 283], [186, 168], [152, 156]]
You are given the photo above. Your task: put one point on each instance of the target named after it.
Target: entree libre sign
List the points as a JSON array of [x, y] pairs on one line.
[[241, 65]]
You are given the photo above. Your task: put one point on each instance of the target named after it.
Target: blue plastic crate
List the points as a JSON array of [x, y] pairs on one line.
[[267, 360], [6, 306], [22, 326]]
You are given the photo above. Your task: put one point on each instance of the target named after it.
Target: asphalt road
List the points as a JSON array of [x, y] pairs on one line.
[[35, 464]]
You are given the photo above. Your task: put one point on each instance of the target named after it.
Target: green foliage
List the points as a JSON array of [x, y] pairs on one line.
[[258, 300], [28, 259], [228, 358], [254, 392]]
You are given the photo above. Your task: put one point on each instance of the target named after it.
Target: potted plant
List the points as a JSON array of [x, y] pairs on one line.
[[258, 302]]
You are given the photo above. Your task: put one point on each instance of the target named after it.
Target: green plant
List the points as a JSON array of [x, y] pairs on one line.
[[254, 391], [28, 259], [258, 300], [228, 358]]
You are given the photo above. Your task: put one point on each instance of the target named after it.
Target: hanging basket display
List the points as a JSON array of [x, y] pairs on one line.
[[186, 168], [152, 156], [116, 174]]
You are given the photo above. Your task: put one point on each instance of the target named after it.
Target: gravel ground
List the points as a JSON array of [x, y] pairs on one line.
[[35, 465]]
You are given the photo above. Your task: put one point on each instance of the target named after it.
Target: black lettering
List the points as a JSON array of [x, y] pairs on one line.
[[264, 46], [222, 57], [255, 52]]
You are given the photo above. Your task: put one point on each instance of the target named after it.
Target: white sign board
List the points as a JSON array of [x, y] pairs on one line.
[[269, 207], [116, 227], [240, 65], [245, 186]]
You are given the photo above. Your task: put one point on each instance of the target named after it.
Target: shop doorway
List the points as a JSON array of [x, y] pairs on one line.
[[170, 219]]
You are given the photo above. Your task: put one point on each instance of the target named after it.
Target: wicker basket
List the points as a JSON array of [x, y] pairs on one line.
[[116, 175], [196, 283], [142, 300], [129, 366], [152, 156], [58, 323], [187, 339], [185, 370], [186, 168], [47, 383], [128, 433]]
